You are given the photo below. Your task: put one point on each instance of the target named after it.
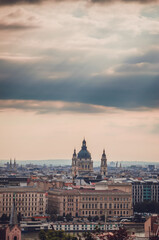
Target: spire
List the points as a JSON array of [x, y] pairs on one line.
[[74, 153], [13, 217], [14, 163], [10, 163], [103, 155], [84, 147]]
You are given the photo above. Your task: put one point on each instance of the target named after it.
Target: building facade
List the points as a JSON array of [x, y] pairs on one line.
[[28, 201], [145, 190], [82, 163], [85, 202]]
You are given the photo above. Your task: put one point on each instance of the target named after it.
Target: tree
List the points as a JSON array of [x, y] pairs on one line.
[[87, 236], [69, 217], [42, 235], [60, 218], [96, 218], [55, 235], [89, 218], [53, 217], [4, 217], [19, 216], [102, 218], [120, 234]]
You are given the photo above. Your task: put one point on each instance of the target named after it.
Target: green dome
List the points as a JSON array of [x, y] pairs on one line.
[[84, 153]]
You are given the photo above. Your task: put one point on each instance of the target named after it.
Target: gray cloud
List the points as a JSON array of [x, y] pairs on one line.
[[12, 2], [152, 56], [23, 81], [43, 107], [15, 27]]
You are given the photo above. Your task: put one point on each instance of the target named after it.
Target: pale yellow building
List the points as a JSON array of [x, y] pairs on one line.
[[29, 201], [85, 202]]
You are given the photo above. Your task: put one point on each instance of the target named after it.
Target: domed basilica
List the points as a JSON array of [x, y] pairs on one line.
[[82, 164]]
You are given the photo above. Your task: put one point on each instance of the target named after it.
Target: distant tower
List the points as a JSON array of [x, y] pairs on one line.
[[74, 164], [120, 166], [13, 231], [15, 165], [10, 163], [103, 168]]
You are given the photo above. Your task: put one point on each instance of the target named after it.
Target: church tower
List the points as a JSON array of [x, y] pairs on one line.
[[103, 167], [74, 164], [13, 230], [15, 165], [11, 164], [82, 164]]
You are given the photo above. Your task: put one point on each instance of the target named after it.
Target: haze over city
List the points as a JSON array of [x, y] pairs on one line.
[[79, 69]]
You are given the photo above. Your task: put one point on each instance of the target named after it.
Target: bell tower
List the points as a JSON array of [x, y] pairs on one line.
[[103, 167], [74, 164]]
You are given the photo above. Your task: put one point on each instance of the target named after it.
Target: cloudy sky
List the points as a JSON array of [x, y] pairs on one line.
[[75, 69]]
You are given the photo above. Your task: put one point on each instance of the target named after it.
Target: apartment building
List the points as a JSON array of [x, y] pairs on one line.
[[145, 190], [29, 201], [88, 202]]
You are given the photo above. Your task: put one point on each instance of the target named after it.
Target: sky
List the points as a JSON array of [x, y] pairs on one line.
[[79, 69]]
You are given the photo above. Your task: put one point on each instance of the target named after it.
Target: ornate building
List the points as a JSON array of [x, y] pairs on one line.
[[103, 168], [114, 201], [11, 231], [29, 201], [82, 165]]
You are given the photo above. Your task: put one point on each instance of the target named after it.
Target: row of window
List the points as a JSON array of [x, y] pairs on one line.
[[119, 213], [23, 199], [22, 203], [104, 198], [22, 209], [85, 227], [22, 195], [105, 205]]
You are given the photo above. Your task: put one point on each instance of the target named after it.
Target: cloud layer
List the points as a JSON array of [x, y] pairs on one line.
[[105, 56], [12, 2]]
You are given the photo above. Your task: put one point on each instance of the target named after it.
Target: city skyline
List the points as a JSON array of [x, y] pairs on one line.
[[75, 69]]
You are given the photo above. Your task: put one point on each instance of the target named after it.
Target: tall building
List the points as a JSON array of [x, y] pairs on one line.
[[88, 202], [82, 164], [145, 190], [103, 167], [29, 201]]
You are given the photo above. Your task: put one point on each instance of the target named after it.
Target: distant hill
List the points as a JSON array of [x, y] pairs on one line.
[[64, 162]]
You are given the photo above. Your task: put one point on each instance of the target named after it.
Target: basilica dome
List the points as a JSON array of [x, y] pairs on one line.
[[84, 153]]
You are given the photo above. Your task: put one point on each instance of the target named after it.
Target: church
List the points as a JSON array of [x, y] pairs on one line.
[[82, 164]]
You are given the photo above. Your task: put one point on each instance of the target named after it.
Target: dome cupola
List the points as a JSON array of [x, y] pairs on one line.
[[84, 153]]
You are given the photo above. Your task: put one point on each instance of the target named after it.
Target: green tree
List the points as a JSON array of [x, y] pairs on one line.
[[19, 216], [89, 218], [102, 218], [42, 235], [69, 217], [96, 218]]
